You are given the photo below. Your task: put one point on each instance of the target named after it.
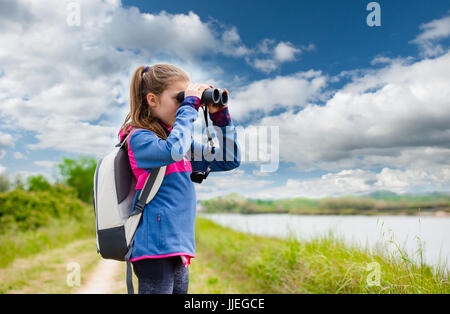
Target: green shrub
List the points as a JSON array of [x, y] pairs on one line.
[[38, 183], [79, 174], [29, 210]]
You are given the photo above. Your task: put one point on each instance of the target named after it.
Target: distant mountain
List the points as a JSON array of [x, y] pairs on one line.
[[382, 194], [385, 194]]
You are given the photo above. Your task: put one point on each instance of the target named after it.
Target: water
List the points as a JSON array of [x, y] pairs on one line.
[[409, 232]]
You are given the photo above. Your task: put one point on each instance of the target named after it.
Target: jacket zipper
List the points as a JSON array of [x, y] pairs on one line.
[[159, 231]]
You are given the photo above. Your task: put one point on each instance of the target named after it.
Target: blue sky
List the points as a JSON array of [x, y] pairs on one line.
[[338, 29], [358, 108]]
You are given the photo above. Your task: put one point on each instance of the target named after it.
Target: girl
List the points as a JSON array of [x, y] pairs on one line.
[[164, 240]]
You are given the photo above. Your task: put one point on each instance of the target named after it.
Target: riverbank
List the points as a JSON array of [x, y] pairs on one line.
[[378, 204], [347, 212], [321, 265], [234, 262]]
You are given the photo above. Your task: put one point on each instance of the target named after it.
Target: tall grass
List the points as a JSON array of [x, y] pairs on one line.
[[321, 265]]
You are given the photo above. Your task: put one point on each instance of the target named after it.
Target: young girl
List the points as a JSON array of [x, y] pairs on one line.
[[164, 240]]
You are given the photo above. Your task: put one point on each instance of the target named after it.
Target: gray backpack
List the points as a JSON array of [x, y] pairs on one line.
[[114, 193]]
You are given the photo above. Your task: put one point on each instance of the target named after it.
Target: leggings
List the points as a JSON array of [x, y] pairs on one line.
[[162, 276]]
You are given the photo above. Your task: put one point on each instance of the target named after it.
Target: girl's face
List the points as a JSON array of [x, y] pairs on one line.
[[166, 105]]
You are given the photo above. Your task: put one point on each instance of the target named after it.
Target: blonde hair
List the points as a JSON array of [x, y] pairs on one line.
[[155, 80]]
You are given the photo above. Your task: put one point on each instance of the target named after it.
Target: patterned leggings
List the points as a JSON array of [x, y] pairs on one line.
[[162, 276]]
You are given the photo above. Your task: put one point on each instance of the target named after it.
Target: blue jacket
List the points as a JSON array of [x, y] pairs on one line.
[[168, 221]]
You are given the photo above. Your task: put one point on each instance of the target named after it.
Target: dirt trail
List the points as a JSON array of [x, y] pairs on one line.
[[103, 279]]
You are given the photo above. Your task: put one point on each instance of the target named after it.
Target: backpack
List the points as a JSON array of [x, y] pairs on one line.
[[114, 192]]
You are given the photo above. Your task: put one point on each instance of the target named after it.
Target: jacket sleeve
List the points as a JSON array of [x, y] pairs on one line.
[[150, 151], [225, 157]]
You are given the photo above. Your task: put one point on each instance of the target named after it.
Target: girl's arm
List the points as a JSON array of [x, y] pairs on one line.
[[150, 151], [225, 157]]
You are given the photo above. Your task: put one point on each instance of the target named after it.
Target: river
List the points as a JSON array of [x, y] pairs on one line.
[[409, 232]]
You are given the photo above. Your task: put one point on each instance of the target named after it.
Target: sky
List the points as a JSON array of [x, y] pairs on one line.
[[356, 108]]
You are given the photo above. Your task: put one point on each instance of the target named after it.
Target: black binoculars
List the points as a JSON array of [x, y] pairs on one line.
[[213, 96], [199, 176]]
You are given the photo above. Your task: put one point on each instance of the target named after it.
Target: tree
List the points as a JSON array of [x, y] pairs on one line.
[[4, 182], [18, 182], [79, 174], [38, 183]]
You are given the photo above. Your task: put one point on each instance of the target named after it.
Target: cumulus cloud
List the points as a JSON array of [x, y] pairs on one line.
[[360, 181], [6, 140], [273, 56], [74, 81], [281, 92], [236, 180], [19, 155], [394, 118], [284, 52], [432, 32], [44, 163], [70, 86], [381, 113]]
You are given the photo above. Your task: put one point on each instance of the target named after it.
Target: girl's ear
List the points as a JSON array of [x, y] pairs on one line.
[[152, 100]]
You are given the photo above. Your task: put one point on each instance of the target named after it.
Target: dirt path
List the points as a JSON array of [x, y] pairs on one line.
[[103, 279]]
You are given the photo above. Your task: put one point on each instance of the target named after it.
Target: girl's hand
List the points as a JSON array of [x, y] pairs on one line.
[[195, 90], [212, 108]]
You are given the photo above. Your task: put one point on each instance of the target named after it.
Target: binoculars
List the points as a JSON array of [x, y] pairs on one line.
[[213, 96]]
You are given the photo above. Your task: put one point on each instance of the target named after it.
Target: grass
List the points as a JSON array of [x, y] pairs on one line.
[[35, 260], [57, 233], [321, 265], [205, 277], [231, 262], [47, 271]]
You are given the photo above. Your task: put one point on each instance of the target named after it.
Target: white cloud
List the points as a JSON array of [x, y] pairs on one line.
[[25, 174], [71, 86], [285, 51], [396, 118], [44, 163], [436, 29], [384, 112], [74, 81], [279, 92], [265, 65], [359, 181], [265, 46], [236, 180], [231, 35], [6, 140], [431, 33], [19, 155], [279, 54], [343, 182]]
